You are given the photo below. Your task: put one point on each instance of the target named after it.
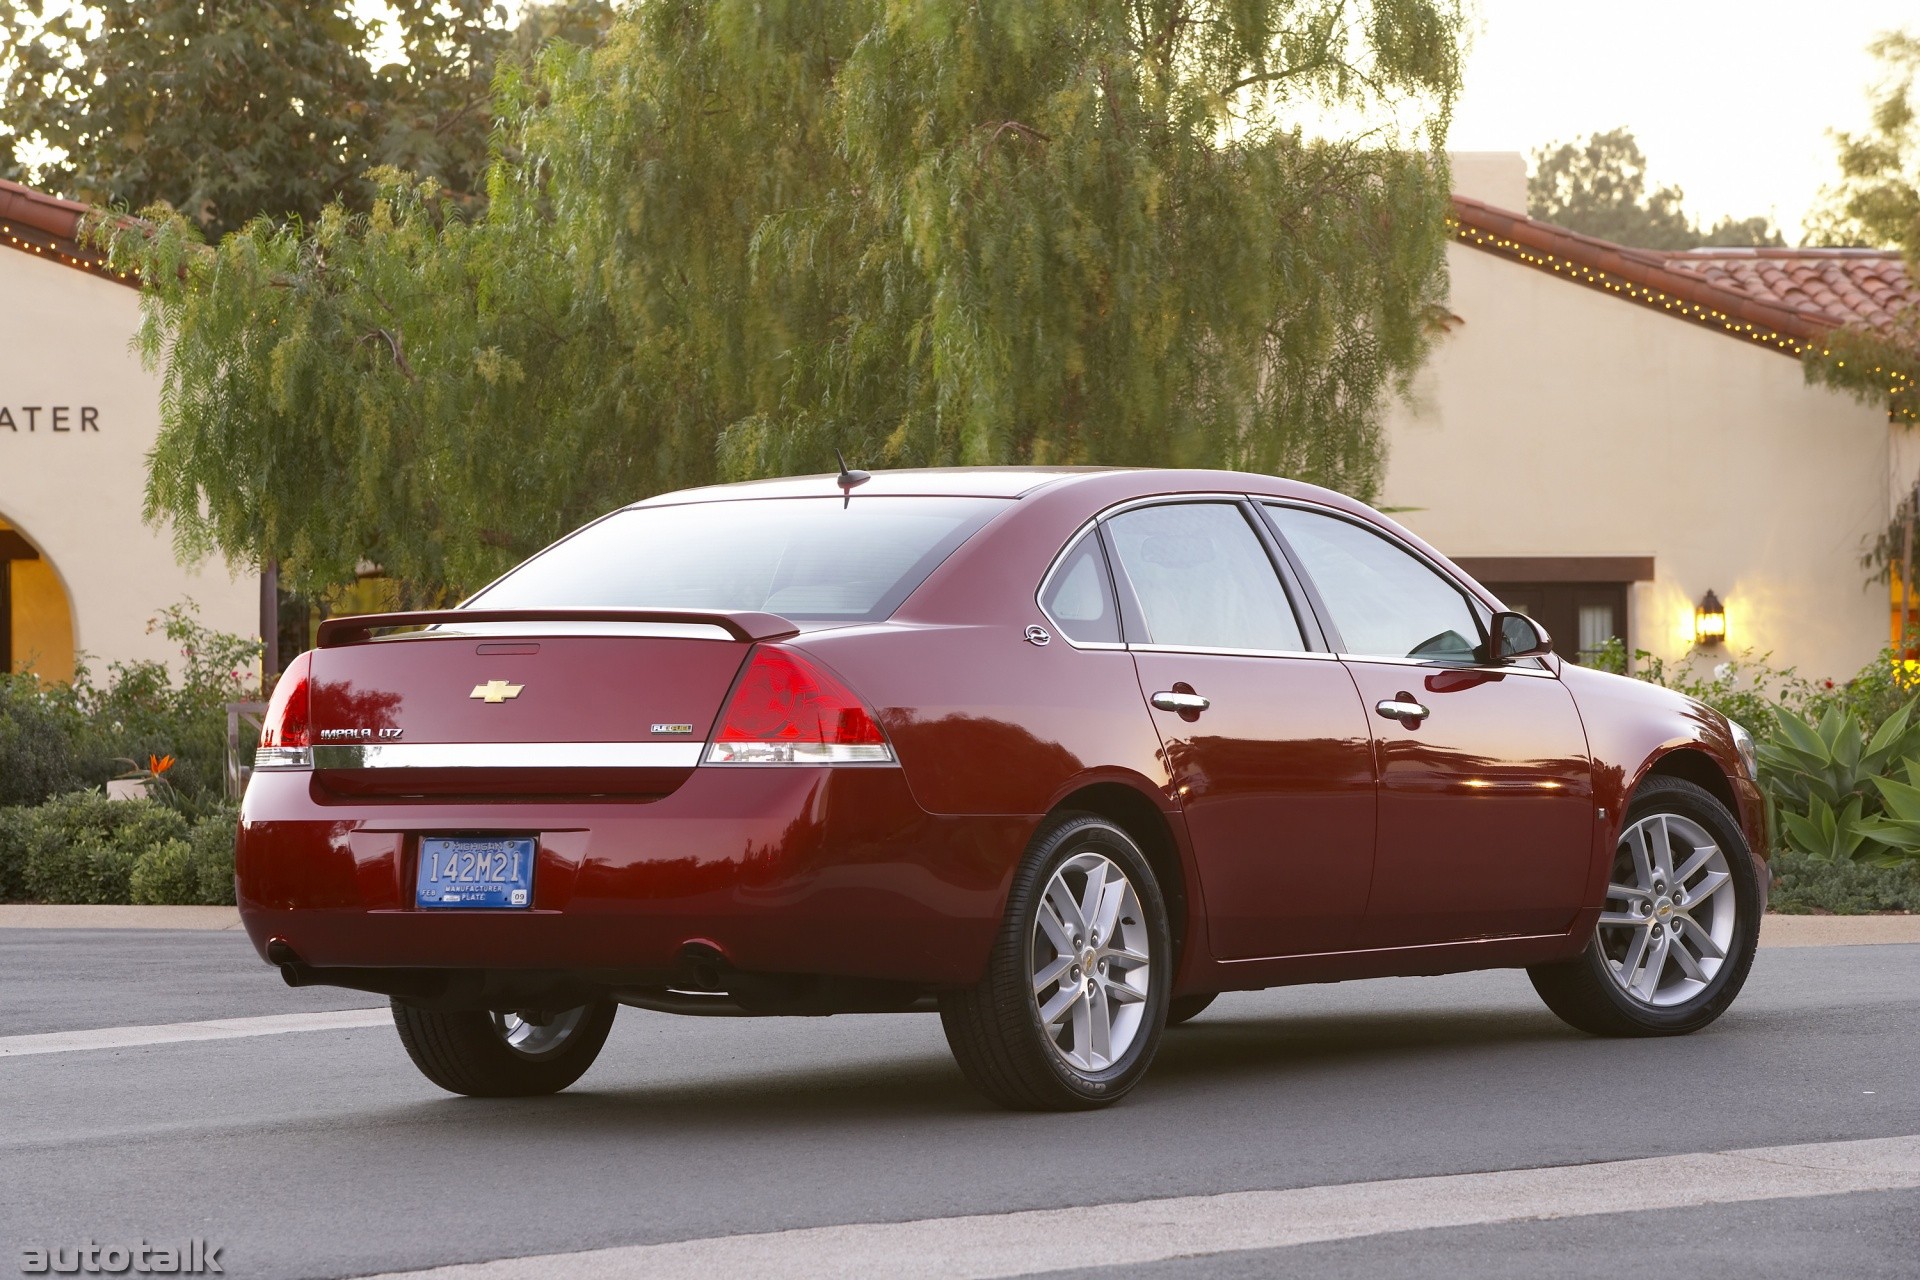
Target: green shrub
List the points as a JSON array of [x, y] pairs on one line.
[[194, 871], [13, 854], [1805, 885], [40, 752], [82, 847]]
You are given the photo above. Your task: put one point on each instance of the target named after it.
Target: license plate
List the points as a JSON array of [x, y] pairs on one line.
[[475, 871]]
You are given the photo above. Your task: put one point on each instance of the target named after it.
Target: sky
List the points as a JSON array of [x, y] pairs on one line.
[[1731, 101]]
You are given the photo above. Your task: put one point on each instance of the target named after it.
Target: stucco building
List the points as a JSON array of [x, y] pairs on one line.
[[80, 571], [1606, 434]]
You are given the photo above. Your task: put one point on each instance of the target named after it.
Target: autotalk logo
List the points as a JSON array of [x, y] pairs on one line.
[[190, 1257]]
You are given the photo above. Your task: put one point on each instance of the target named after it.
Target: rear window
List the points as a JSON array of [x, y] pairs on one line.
[[809, 559]]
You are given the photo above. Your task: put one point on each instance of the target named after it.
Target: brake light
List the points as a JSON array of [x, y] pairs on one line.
[[286, 738], [788, 710]]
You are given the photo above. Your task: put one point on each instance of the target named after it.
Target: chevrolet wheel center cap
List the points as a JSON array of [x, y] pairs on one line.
[[496, 691], [1663, 908]]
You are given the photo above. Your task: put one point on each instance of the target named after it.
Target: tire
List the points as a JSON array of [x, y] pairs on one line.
[[995, 1028], [1595, 992], [473, 1051], [1182, 1009]]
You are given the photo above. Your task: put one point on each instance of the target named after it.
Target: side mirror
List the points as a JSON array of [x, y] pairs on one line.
[[1515, 635]]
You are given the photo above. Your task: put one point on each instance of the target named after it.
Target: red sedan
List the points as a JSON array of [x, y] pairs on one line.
[[1060, 753]]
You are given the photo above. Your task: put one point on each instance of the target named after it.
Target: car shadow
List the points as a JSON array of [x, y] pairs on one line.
[[1212, 1050]]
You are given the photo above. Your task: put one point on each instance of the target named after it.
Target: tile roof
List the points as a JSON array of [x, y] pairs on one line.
[[34, 222], [1865, 287], [1783, 299]]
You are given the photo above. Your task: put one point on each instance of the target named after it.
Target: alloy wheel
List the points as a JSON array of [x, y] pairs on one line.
[[1668, 923], [1090, 962]]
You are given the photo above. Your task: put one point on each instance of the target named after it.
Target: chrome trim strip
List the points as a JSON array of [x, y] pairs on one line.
[[508, 755], [1446, 666], [1235, 653]]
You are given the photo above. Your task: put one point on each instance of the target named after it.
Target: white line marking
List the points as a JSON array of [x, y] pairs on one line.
[[1104, 1235], [174, 1032]]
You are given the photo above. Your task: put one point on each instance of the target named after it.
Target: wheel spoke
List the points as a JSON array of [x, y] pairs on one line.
[[1107, 916], [1642, 856], [1100, 1018], [1064, 999], [1058, 931], [1621, 920], [1121, 993], [1630, 892], [1092, 894], [1688, 962], [1126, 955], [1083, 1020], [1663, 849], [1051, 972], [1648, 980], [1697, 934], [1710, 884], [1702, 854]]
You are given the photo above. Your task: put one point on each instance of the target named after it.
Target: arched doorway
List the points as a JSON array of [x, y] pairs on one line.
[[36, 618]]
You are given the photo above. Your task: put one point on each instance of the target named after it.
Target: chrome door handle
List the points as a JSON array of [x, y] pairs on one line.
[[1168, 701], [1403, 710]]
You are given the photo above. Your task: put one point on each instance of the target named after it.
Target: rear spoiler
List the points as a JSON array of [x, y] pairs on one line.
[[741, 625]]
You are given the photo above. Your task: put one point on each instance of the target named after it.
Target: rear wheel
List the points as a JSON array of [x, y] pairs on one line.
[[487, 1054], [1070, 1011], [1678, 929]]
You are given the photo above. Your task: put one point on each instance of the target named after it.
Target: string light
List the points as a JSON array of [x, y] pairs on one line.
[[44, 245], [1649, 296]]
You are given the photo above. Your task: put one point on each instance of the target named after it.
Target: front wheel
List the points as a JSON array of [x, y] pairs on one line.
[[1678, 928], [1075, 995], [487, 1054]]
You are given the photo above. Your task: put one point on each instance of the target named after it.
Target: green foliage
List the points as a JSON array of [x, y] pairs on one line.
[[1745, 690], [38, 752], [64, 737], [82, 847], [13, 853], [1877, 202], [197, 871], [740, 233], [1599, 187], [226, 111], [1805, 884]]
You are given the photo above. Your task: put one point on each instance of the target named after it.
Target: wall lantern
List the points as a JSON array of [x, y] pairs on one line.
[[1709, 621]]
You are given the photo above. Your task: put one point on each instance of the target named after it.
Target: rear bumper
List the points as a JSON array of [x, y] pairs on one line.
[[828, 871]]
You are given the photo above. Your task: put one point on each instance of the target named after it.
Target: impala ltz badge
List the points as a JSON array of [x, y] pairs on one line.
[[496, 691]]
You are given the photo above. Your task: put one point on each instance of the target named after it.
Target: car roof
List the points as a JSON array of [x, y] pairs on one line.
[[967, 482]]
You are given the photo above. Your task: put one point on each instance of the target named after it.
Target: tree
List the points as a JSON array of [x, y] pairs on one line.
[[740, 234], [1877, 202], [226, 111], [1599, 188]]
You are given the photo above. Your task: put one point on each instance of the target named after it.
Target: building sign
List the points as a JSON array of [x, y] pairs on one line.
[[31, 419]]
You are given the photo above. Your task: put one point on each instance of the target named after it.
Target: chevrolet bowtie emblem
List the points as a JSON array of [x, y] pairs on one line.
[[496, 691]]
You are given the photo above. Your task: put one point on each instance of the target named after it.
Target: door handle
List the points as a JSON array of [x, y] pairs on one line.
[[1403, 709], [1169, 701]]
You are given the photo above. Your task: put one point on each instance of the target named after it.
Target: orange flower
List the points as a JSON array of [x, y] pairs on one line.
[[157, 765]]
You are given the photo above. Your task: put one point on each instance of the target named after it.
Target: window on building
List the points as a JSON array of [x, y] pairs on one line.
[[1580, 600]]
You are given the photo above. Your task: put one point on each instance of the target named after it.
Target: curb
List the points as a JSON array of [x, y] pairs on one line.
[[42, 915], [1776, 931]]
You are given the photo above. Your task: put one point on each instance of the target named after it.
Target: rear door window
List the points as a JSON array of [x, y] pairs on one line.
[[1203, 578], [809, 559]]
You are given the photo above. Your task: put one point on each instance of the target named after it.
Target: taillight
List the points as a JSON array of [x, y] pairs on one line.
[[286, 738], [787, 710]]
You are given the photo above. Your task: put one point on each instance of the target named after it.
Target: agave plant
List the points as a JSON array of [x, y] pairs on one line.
[[1827, 782]]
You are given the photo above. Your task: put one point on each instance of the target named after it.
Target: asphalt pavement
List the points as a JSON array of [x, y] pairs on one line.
[[323, 1153]]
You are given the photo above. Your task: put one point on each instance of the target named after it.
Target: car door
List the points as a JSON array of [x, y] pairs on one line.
[[1263, 734], [1486, 799]]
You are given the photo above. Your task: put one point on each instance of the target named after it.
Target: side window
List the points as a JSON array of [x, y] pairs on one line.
[[1203, 578], [1079, 596], [1385, 601]]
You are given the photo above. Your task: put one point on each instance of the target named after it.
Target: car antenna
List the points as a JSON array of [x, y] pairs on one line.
[[849, 480]]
